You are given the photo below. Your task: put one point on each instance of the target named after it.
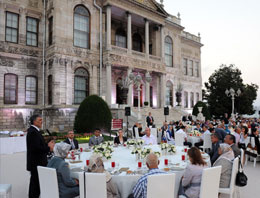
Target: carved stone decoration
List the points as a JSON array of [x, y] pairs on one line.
[[32, 65], [33, 3], [6, 63]]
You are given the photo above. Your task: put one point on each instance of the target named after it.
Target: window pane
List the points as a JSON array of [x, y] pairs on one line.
[[10, 88]]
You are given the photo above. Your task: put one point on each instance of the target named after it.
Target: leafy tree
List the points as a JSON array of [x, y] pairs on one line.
[[93, 113], [205, 110], [225, 78]]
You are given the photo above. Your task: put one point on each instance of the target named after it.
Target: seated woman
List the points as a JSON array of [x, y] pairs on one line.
[[68, 187], [192, 176], [254, 147], [243, 137], [225, 160], [120, 139], [96, 166], [170, 135]]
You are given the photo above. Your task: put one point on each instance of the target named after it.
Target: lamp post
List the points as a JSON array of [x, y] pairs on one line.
[[231, 92]]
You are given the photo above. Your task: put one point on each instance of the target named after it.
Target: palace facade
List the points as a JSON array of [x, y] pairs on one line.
[[55, 53]]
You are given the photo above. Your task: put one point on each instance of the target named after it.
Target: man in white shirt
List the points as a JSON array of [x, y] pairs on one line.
[[204, 131], [184, 136], [149, 138]]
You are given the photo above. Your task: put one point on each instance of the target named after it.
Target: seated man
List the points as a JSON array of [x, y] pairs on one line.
[[96, 139], [184, 135], [205, 131], [231, 141], [140, 189], [214, 151], [72, 141], [149, 138]]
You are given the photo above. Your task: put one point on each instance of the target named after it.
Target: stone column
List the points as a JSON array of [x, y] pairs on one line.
[[130, 91], [147, 37], [108, 41], [163, 86], [129, 32], [109, 84], [147, 90], [162, 42]]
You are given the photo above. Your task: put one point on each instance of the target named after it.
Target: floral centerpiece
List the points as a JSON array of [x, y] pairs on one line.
[[164, 146], [136, 151], [104, 150], [158, 154], [145, 152], [172, 149], [130, 142], [139, 142], [135, 142], [196, 133]]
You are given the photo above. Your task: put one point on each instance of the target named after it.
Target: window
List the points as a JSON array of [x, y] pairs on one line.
[[169, 94], [31, 31], [11, 28], [185, 66], [198, 97], [50, 28], [121, 38], [81, 27], [81, 85], [50, 89], [186, 100], [30, 90], [168, 51], [137, 42], [197, 71], [190, 67], [191, 99], [10, 88]]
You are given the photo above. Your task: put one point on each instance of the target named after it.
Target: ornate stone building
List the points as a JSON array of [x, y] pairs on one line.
[[55, 53]]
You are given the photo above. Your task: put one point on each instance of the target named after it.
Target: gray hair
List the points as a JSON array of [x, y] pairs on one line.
[[61, 149], [152, 159]]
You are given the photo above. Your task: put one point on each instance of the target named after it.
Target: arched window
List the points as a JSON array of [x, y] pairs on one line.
[[10, 88], [137, 42], [30, 90], [81, 27], [168, 51], [169, 93], [120, 38], [81, 85], [50, 89]]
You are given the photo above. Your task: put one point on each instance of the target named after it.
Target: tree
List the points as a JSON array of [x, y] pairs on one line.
[[225, 78], [93, 113], [205, 110]]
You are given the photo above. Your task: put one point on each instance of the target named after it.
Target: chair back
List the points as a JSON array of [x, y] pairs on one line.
[[210, 176], [136, 133], [242, 156], [207, 141], [81, 185], [161, 185], [91, 182], [179, 139], [48, 182], [154, 132], [234, 174]]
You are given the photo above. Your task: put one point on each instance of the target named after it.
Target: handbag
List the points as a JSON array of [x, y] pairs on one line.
[[241, 178]]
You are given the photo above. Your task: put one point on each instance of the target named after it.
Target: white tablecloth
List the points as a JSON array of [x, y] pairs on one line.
[[193, 139], [9, 145], [123, 158]]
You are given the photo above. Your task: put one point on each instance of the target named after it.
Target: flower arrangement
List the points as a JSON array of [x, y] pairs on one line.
[[172, 149], [104, 150], [164, 146], [135, 142], [196, 133], [136, 151], [145, 152], [139, 142], [158, 154], [130, 142]]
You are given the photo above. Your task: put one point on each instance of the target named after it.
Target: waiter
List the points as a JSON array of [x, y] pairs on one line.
[[149, 120], [37, 151]]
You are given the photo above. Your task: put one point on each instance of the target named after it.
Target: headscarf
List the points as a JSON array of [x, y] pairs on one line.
[[61, 149], [227, 152], [96, 165]]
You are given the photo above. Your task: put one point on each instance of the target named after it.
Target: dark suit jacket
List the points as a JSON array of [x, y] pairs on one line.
[[236, 150], [117, 141], [37, 149], [214, 153], [74, 141], [221, 133], [149, 121]]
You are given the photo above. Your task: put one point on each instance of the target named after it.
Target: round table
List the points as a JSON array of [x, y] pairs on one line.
[[124, 159]]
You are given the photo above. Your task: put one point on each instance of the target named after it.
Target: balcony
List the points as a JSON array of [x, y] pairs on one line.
[[190, 36]]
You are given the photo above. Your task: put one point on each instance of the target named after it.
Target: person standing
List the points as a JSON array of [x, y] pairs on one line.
[[72, 141], [37, 151], [149, 120]]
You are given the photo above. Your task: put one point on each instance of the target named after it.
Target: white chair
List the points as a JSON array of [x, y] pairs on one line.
[[252, 141], [154, 132], [210, 176], [81, 185], [91, 181], [161, 185], [242, 157], [230, 191], [179, 139], [136, 133], [48, 182], [206, 142], [5, 190]]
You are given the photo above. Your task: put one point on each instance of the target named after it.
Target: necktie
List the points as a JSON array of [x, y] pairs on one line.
[[72, 144]]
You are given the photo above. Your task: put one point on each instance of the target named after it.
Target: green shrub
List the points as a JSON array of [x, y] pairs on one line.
[[93, 113], [205, 110]]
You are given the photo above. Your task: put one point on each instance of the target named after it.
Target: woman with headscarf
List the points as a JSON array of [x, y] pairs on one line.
[[170, 135], [68, 187], [225, 160], [96, 165]]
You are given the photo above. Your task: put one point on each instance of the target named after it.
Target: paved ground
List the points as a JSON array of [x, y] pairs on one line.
[[12, 171]]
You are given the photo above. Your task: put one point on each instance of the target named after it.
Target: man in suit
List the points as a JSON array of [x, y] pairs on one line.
[[149, 120], [72, 141], [37, 151], [231, 140], [96, 139], [214, 151]]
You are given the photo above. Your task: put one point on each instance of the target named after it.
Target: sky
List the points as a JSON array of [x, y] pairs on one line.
[[230, 32]]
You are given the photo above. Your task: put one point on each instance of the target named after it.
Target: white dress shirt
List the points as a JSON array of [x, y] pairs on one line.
[[183, 133], [36, 127], [149, 140], [206, 132]]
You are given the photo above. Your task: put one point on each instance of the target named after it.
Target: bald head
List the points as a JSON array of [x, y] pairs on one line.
[[152, 161]]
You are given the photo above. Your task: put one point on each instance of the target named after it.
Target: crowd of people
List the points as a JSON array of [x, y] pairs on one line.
[[227, 137]]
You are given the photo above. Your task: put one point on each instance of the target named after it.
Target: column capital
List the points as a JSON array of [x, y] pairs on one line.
[[128, 13]]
